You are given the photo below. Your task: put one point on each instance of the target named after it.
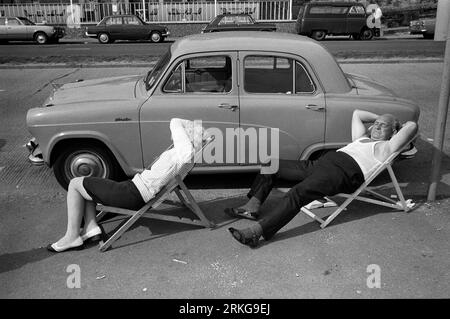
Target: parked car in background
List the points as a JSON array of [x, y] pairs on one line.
[[424, 26], [238, 82], [126, 27], [319, 19], [237, 22], [22, 29]]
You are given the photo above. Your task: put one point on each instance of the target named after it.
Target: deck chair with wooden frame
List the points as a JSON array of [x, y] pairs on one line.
[[382, 200], [175, 185]]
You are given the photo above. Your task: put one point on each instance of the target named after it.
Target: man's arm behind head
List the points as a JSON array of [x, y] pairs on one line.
[[403, 136]]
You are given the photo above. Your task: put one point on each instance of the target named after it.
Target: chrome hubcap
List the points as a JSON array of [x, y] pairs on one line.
[[40, 38], [104, 38], [155, 37], [87, 164]]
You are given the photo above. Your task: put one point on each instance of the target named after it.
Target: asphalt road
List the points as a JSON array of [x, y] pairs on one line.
[[90, 50], [158, 259]]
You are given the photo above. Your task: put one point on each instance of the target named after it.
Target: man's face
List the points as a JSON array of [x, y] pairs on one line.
[[382, 129]]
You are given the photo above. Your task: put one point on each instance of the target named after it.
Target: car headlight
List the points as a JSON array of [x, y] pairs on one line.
[[54, 30]]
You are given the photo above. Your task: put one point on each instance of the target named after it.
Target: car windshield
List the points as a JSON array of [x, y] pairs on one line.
[[25, 21], [154, 74]]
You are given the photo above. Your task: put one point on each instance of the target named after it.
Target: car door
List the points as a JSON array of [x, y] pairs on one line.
[[114, 26], [356, 18], [133, 29], [279, 92], [195, 87], [15, 30]]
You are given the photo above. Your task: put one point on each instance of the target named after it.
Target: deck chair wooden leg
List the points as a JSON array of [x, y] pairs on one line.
[[312, 215], [397, 189], [100, 215], [104, 246], [195, 208], [180, 196], [339, 210]]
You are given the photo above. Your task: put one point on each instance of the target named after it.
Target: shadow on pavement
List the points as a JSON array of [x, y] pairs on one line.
[[17, 260], [213, 210]]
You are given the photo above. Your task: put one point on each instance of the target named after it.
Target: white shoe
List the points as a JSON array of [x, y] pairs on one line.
[[77, 244], [93, 232]]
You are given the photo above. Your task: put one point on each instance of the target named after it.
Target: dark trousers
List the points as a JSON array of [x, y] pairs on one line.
[[333, 173]]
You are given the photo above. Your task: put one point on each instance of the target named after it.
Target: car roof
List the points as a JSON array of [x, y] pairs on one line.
[[312, 51], [232, 14], [337, 4], [121, 15]]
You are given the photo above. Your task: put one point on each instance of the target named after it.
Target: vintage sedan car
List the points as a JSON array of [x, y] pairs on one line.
[[22, 29], [424, 26], [126, 27], [237, 22], [254, 91]]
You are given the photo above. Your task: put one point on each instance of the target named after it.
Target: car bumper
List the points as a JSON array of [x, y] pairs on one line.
[[90, 35], [165, 34], [35, 156]]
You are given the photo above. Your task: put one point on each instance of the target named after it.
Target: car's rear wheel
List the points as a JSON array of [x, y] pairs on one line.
[[84, 160], [155, 36], [41, 38], [366, 34], [318, 35], [104, 38]]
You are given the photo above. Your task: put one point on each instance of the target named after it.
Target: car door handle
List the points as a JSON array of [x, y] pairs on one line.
[[228, 106], [315, 107]]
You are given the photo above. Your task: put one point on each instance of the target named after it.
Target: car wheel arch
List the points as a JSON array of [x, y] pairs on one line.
[[61, 144]]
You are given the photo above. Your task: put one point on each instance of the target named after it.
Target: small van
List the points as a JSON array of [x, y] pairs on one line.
[[319, 19]]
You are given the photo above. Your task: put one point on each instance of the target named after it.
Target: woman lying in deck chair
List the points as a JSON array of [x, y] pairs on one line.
[[342, 171], [85, 192]]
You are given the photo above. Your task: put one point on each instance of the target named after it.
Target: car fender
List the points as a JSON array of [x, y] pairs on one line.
[[86, 135], [310, 150]]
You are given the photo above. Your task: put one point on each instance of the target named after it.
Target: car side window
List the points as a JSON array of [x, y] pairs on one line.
[[227, 20], [268, 74], [356, 10], [328, 10], [212, 74], [2, 21], [114, 21], [131, 20], [303, 82], [13, 22], [174, 84], [272, 74], [242, 20]]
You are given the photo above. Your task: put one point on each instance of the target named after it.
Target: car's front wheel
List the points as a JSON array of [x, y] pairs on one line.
[[104, 38], [84, 160], [155, 36], [41, 38], [318, 35]]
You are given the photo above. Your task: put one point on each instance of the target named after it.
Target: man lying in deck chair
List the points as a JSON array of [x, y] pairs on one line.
[[85, 192], [341, 171]]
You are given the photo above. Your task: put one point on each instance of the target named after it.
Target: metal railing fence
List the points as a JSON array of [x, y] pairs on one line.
[[176, 12]]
